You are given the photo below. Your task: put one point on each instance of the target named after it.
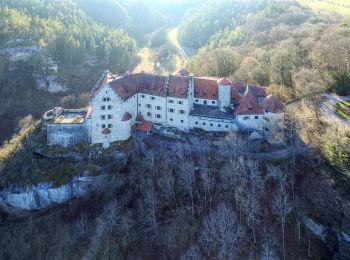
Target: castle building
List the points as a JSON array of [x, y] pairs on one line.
[[119, 105]]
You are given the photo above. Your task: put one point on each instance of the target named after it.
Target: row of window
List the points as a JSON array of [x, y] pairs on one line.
[[248, 117], [211, 124], [109, 107], [169, 100], [103, 126], [103, 117], [150, 106], [172, 110], [156, 115], [205, 102]]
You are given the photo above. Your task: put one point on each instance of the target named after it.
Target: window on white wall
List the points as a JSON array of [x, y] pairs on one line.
[[149, 114], [213, 102], [226, 126], [182, 121], [196, 123], [158, 116], [103, 117], [103, 126], [256, 117], [153, 98], [109, 107], [197, 100], [158, 108], [109, 116], [266, 119], [171, 110], [219, 125], [171, 119], [211, 124], [143, 96], [180, 102], [204, 123], [103, 107], [110, 125], [170, 101], [148, 106], [182, 112], [246, 118]]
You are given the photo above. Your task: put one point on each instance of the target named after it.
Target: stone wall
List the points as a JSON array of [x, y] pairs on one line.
[[66, 134]]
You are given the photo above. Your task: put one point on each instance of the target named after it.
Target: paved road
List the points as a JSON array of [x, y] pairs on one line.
[[327, 109], [328, 112], [187, 53]]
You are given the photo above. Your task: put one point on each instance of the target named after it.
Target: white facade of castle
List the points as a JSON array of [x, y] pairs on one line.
[[181, 101]]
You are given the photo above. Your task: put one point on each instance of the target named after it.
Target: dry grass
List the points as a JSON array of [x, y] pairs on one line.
[[336, 6]]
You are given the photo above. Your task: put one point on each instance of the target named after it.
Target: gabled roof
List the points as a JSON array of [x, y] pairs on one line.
[[224, 82], [141, 124], [249, 104], [272, 104], [206, 88], [127, 116], [182, 72], [178, 86]]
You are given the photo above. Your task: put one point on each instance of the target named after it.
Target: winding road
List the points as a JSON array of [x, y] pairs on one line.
[[327, 109]]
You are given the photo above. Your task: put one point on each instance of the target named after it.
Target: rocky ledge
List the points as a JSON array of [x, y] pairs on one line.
[[44, 195]]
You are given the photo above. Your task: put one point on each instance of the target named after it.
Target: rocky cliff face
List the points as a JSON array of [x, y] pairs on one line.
[[44, 195]]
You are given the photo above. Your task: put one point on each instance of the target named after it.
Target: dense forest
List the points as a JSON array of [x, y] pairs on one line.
[[175, 202]]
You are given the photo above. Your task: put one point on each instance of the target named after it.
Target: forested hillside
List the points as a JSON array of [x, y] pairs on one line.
[[193, 195], [284, 46], [64, 30]]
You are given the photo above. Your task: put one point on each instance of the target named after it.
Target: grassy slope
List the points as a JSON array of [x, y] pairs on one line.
[[337, 6]]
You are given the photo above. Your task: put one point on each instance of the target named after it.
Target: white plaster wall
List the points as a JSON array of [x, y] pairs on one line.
[[176, 116], [224, 95], [252, 122], [201, 101], [158, 101], [117, 112], [212, 124]]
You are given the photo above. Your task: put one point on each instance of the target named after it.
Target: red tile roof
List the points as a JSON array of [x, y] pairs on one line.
[[182, 72], [141, 124], [153, 85], [206, 88], [249, 104], [127, 116], [178, 87], [247, 98], [272, 104], [224, 82]]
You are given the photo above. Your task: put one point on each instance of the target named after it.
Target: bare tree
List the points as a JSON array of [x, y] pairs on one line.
[[192, 253], [222, 235], [81, 226], [148, 209], [282, 208], [187, 173]]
